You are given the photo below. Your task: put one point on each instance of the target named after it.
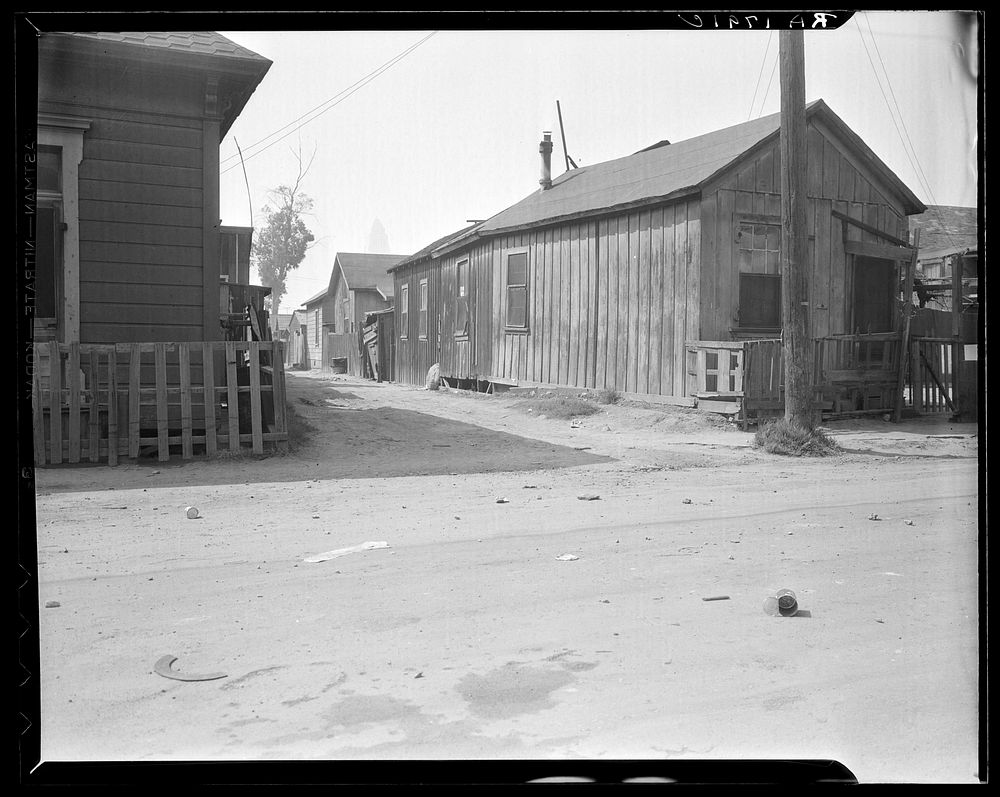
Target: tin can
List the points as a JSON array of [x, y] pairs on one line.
[[787, 604], [192, 512]]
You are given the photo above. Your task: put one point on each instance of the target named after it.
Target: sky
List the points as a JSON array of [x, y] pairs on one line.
[[419, 131]]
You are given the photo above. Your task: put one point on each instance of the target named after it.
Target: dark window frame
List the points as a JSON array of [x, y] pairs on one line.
[[404, 312], [771, 321], [516, 288], [462, 299], [423, 309]]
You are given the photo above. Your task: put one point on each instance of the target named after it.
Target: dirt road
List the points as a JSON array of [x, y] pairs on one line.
[[469, 637]]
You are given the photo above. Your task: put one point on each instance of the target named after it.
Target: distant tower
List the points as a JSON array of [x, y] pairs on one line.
[[378, 241]]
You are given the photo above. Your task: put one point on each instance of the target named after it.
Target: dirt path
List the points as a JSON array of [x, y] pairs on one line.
[[467, 637]]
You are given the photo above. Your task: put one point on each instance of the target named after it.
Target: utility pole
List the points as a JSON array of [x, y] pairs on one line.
[[798, 349]]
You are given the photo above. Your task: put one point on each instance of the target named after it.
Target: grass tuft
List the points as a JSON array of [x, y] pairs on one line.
[[781, 437], [564, 408], [607, 396]]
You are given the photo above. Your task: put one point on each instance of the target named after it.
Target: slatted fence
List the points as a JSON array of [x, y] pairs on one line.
[[99, 403]]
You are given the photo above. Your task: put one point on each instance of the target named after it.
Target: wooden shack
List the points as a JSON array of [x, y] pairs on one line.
[[610, 275], [359, 284]]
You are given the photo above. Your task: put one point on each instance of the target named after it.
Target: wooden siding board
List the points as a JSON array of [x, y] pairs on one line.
[[822, 274], [184, 354], [814, 163], [645, 278], [601, 351], [575, 291], [680, 296], [622, 307], [839, 318], [141, 173], [127, 130], [632, 348], [565, 308], [655, 299], [73, 383], [611, 258], [139, 193], [669, 293], [162, 216], [109, 151], [694, 277], [728, 276], [209, 397], [708, 298], [188, 256], [162, 446]]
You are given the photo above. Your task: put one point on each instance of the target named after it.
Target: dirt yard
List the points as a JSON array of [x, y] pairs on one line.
[[472, 635]]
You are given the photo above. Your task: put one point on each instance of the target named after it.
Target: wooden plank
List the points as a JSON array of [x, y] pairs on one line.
[[907, 312], [853, 220], [112, 406], [693, 266], [623, 307], [821, 270], [671, 348], [233, 412], [643, 308], [279, 394], [632, 348], [184, 356], [601, 346], [655, 299], [93, 411], [37, 410], [575, 286], [566, 306], [256, 427], [162, 446], [134, 400], [611, 258], [73, 386], [727, 287]]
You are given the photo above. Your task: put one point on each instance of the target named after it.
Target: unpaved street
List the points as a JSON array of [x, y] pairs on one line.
[[467, 637]]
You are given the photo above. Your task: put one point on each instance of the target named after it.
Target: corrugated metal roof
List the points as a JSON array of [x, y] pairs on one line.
[[664, 170], [364, 271], [203, 42]]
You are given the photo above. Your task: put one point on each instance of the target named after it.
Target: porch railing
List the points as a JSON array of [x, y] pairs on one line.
[[96, 403]]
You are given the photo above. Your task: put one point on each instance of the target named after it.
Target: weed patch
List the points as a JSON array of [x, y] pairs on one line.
[[781, 437], [558, 407]]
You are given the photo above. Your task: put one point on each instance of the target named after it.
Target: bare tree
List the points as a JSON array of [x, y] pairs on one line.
[[283, 240]]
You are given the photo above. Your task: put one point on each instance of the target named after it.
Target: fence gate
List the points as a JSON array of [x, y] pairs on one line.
[[932, 372]]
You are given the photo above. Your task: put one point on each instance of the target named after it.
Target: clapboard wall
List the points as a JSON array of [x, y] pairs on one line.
[[148, 211]]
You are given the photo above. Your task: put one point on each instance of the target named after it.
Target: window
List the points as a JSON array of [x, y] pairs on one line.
[[759, 258], [462, 298], [760, 301], [517, 289], [422, 318], [57, 230], [404, 311], [759, 248]]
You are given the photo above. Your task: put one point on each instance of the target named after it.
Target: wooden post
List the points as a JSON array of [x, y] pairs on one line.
[[209, 396], [904, 332], [957, 268], [112, 406], [794, 242]]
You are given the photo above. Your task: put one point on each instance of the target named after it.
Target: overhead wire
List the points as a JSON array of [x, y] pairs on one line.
[[760, 74], [329, 104]]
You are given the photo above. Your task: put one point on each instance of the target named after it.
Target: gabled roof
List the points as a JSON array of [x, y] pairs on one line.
[[315, 298], [282, 321], [666, 171], [947, 228], [364, 271]]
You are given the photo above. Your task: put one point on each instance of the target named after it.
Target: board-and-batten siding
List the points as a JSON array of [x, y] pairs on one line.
[[610, 302], [415, 354], [835, 182]]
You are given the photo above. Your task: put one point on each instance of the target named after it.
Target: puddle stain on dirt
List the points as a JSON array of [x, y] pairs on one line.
[[512, 689]]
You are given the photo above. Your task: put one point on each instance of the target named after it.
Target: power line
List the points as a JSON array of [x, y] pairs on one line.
[[767, 91], [329, 103], [760, 74], [913, 160]]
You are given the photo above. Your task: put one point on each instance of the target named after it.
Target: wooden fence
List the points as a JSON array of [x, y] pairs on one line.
[[743, 376], [102, 402], [932, 375], [858, 374], [344, 346]]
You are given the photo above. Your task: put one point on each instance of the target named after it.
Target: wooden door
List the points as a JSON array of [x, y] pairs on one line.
[[874, 280]]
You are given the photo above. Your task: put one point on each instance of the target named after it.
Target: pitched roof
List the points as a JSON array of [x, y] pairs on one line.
[[204, 49], [315, 298], [203, 42], [947, 227], [282, 320], [364, 271], [664, 171], [441, 242]]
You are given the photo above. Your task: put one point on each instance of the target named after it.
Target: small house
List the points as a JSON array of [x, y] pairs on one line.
[[610, 274], [312, 330], [359, 284]]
